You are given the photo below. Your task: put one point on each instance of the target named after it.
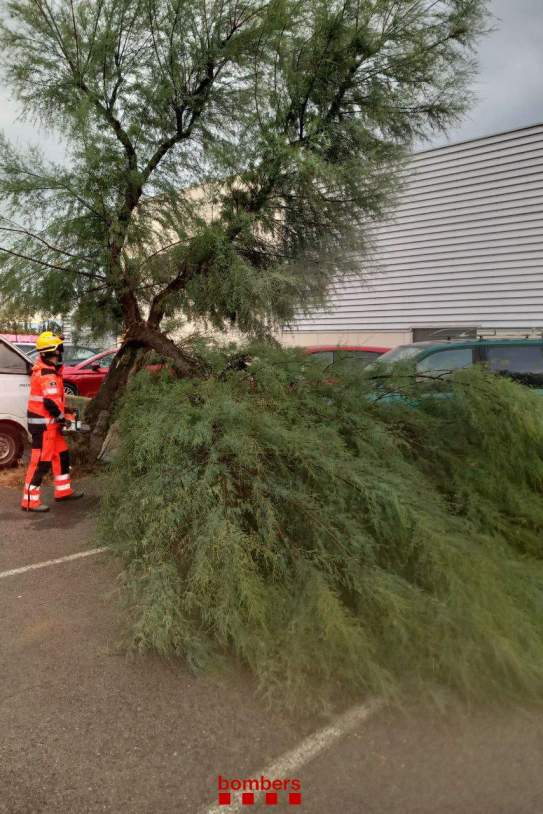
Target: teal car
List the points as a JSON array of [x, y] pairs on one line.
[[518, 359]]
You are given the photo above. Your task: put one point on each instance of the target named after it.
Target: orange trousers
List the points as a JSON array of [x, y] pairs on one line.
[[49, 451]]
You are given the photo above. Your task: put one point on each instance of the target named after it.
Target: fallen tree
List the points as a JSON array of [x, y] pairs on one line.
[[332, 543]]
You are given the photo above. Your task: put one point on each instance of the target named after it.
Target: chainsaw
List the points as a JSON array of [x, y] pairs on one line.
[[76, 424]]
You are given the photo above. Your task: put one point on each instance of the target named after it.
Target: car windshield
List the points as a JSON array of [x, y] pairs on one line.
[[399, 354], [73, 355]]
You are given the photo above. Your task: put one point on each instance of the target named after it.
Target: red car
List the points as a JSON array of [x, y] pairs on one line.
[[85, 378], [334, 354]]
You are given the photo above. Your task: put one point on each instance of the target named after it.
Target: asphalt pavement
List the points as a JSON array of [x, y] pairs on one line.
[[86, 727]]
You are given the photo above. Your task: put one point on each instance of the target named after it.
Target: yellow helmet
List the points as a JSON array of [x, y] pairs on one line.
[[47, 342]]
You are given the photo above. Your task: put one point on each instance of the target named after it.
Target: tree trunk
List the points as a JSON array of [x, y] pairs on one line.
[[100, 411], [139, 339]]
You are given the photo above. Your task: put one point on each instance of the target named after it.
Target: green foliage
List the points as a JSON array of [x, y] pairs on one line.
[[282, 123], [333, 543]]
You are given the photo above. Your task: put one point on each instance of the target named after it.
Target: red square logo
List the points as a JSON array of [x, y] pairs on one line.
[[224, 798], [294, 798], [271, 798], [247, 798]]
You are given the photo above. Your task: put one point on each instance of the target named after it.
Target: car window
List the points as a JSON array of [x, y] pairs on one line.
[[354, 359], [399, 354], [323, 357], [75, 354], [105, 361], [445, 361], [522, 363], [11, 362]]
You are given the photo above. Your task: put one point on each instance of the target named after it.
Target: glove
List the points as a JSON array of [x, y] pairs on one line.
[[64, 423]]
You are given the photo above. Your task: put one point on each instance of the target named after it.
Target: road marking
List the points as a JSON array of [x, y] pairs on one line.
[[37, 565], [307, 750]]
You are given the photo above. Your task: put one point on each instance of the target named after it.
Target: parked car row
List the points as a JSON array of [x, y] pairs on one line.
[[85, 378], [519, 359]]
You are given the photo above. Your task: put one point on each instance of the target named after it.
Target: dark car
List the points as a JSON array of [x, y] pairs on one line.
[[518, 359]]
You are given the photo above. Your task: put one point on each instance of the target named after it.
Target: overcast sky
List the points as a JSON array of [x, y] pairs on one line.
[[509, 87], [510, 82]]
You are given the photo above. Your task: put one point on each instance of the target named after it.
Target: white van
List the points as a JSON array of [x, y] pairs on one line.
[[15, 371]]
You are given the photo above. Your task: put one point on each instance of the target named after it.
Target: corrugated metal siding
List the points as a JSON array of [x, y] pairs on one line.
[[463, 247]]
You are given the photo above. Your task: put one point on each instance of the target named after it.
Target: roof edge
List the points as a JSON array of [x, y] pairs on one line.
[[477, 138]]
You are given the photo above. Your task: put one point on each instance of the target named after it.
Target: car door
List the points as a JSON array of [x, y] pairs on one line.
[[14, 384]]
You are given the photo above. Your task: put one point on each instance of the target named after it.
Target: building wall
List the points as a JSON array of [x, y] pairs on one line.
[[463, 248], [379, 339]]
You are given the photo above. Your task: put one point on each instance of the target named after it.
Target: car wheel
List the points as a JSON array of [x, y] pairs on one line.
[[11, 446], [70, 389]]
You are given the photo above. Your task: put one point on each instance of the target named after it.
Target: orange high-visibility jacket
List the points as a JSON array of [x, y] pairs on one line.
[[46, 402]]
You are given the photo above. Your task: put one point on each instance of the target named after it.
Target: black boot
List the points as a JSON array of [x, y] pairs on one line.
[[73, 496]]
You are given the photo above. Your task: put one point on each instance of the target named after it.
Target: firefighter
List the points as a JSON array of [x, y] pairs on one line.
[[46, 420]]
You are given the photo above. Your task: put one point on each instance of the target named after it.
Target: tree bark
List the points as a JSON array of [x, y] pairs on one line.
[[144, 335], [99, 413], [138, 340]]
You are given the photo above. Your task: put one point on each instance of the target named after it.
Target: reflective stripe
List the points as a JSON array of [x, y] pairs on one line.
[[62, 488], [51, 391], [40, 420], [62, 477], [33, 498], [36, 398]]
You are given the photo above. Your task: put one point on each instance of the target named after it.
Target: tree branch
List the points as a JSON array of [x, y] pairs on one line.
[[159, 301], [159, 251], [200, 97], [80, 83], [107, 113], [49, 265], [50, 246]]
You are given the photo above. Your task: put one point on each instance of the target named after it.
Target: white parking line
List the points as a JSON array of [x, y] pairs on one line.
[[307, 750], [37, 565]]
